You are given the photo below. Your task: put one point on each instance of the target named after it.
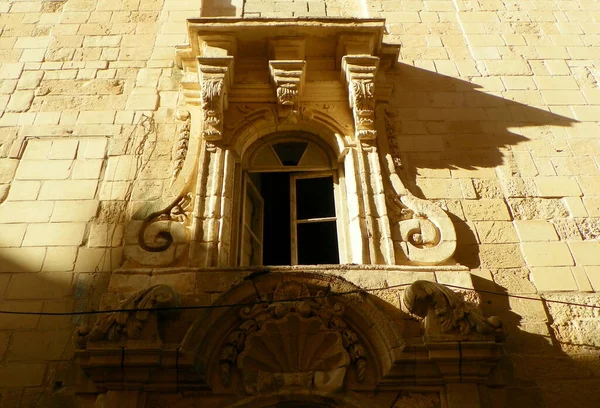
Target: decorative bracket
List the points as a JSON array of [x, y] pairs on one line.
[[288, 78], [445, 313], [215, 75], [359, 74]]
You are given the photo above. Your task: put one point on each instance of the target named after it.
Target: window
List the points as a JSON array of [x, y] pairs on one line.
[[289, 214]]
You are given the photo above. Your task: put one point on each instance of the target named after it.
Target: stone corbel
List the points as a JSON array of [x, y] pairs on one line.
[[359, 73], [288, 78], [136, 318], [463, 343], [446, 313], [215, 76]]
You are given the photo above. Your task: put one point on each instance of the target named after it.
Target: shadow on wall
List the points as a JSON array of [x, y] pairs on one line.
[[37, 366], [538, 369], [458, 142], [222, 8]]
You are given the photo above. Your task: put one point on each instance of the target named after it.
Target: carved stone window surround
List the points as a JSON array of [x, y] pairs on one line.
[[321, 76]]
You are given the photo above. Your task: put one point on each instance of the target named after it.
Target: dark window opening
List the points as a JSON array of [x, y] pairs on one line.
[[299, 224]]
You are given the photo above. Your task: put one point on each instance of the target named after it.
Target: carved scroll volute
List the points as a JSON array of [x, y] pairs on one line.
[[359, 73], [215, 76], [446, 313], [288, 78]]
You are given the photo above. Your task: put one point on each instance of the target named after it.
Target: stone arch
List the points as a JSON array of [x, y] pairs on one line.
[[217, 339], [314, 121]]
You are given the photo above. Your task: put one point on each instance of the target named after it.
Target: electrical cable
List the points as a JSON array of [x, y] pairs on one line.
[[259, 302]]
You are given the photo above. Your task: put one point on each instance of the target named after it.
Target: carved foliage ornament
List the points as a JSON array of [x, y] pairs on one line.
[[129, 322], [182, 144], [292, 340], [445, 312], [418, 400], [360, 71]]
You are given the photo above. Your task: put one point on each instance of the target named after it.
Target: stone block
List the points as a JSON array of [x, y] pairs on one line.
[[486, 210], [121, 168], [73, 211], [535, 230], [20, 321], [496, 256], [40, 345], [440, 188], [496, 232], [11, 70], [30, 80], [7, 170], [583, 283], [93, 148], [87, 169], [11, 235], [128, 283], [37, 149], [547, 254], [593, 275], [60, 259], [90, 260], [68, 190], [30, 211], [592, 204], [22, 374], [553, 279], [46, 285], [105, 235], [586, 253], [54, 234], [508, 67], [20, 101], [44, 169], [181, 282], [557, 187], [63, 149], [590, 185]]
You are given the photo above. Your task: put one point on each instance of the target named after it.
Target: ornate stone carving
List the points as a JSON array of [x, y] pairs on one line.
[[426, 232], [162, 238], [215, 76], [295, 327], [359, 72], [130, 322], [418, 400], [288, 78], [445, 312], [183, 140]]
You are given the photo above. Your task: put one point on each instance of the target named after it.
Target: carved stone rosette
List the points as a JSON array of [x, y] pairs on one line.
[[309, 343], [288, 78], [359, 73]]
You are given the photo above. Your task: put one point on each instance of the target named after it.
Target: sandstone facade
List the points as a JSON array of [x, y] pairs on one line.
[[463, 139]]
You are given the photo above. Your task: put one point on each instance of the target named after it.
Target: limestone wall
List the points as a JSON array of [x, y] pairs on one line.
[[496, 110]]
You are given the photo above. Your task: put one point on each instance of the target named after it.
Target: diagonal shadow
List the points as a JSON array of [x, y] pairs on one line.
[[457, 141]]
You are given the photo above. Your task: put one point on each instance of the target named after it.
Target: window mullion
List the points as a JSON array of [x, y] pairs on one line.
[[293, 221]]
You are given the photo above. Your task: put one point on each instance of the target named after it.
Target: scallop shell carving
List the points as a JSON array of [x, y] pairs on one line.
[[293, 344]]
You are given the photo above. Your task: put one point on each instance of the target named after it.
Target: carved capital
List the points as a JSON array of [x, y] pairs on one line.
[[446, 313], [215, 76], [288, 78], [359, 73]]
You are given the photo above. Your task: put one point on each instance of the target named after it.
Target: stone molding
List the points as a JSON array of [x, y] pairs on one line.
[[224, 348]]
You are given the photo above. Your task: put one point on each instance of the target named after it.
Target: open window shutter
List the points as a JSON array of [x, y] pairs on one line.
[[252, 225]]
